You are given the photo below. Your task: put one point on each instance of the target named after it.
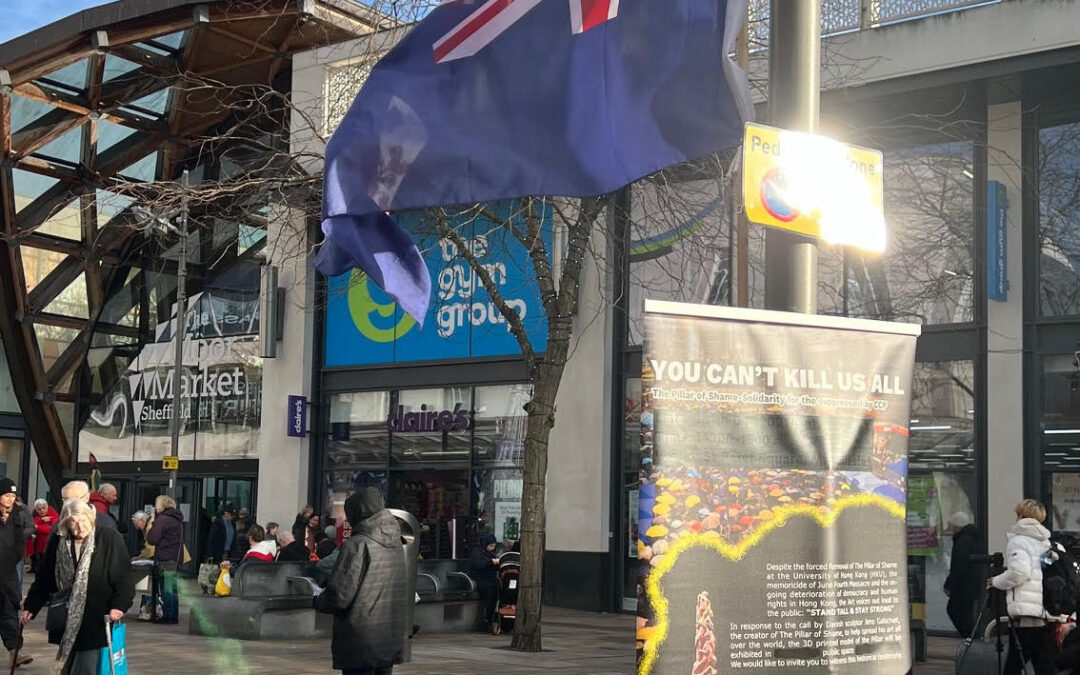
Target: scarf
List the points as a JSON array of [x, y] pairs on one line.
[[67, 576]]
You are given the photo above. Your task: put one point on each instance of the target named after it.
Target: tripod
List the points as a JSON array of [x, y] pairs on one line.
[[995, 603]]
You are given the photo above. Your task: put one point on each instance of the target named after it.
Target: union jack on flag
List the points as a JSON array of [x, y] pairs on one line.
[[495, 16]]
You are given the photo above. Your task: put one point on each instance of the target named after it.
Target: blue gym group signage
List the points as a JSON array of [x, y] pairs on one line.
[[364, 326], [997, 240]]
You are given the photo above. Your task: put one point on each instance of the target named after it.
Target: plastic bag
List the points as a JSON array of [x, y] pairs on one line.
[[224, 584]]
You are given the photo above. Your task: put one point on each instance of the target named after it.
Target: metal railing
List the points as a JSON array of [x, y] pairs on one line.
[[845, 16]]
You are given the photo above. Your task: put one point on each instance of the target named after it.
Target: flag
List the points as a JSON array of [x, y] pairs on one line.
[[493, 99]]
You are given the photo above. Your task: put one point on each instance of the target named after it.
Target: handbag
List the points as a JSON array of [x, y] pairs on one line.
[[57, 613], [114, 656], [208, 574]]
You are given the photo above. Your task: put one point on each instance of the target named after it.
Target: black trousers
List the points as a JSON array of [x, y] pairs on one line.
[[489, 598], [1038, 648], [368, 671], [9, 621], [961, 610]]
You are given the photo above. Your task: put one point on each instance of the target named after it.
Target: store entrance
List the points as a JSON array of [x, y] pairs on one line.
[[139, 494]]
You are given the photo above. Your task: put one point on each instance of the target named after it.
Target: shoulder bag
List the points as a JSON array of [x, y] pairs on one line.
[[57, 611]]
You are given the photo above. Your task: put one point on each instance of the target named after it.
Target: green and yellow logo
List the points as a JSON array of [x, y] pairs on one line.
[[364, 308]]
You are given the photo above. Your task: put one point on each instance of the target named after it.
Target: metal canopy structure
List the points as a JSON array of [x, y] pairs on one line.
[[91, 108]]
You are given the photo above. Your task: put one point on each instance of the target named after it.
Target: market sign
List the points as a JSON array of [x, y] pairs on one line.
[[815, 186]]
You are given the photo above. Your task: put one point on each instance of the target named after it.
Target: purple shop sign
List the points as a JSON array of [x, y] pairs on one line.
[[297, 417]]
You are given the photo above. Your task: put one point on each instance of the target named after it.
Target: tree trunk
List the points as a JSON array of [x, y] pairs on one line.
[[527, 628]]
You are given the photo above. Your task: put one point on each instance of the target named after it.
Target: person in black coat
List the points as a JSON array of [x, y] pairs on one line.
[[13, 523], [367, 592], [222, 533], [166, 535], [300, 525], [102, 587], [484, 569], [964, 583], [292, 550]]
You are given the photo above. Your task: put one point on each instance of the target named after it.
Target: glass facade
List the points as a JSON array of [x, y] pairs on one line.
[[1059, 220], [451, 456]]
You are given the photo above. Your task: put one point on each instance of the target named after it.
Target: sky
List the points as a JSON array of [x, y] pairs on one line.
[[22, 16]]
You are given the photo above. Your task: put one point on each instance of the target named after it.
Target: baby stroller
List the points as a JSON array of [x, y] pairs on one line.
[[509, 572]]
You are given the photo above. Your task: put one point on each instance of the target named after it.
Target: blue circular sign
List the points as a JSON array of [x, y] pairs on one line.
[[773, 186]]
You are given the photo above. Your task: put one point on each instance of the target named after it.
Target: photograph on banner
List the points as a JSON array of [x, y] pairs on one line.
[[775, 446]]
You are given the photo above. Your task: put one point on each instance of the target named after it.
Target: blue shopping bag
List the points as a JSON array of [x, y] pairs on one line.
[[114, 657]]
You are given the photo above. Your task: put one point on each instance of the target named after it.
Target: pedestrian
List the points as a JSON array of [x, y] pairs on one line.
[[12, 548], [272, 531], [300, 525], [367, 590], [240, 542], [93, 565], [484, 569], [963, 585], [222, 533], [102, 500], [312, 535], [45, 519], [167, 537], [292, 550], [140, 520], [1033, 638], [260, 549]]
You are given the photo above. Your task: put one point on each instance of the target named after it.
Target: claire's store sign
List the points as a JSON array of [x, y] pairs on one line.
[[427, 419], [296, 417]]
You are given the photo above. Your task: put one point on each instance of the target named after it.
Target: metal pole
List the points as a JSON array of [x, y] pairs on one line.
[[794, 81], [179, 329]]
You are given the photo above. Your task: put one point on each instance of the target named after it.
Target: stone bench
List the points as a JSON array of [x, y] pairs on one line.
[[448, 598], [264, 605]]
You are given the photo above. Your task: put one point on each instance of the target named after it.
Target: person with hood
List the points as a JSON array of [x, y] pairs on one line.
[[1033, 639], [963, 584], [101, 500], [13, 520], [484, 569], [367, 590], [166, 535], [222, 532]]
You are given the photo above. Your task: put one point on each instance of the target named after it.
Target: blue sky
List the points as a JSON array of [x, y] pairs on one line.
[[22, 16]]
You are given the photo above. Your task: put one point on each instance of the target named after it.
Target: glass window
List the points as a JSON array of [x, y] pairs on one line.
[[340, 484], [440, 501], [498, 503], [8, 403], [941, 477], [1061, 414], [1059, 220], [679, 246], [926, 274], [358, 432], [431, 426], [500, 419]]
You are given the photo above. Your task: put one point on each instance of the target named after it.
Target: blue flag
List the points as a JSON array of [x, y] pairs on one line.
[[491, 100]]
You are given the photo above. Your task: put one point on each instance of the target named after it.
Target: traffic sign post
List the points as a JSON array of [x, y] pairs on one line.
[[813, 186]]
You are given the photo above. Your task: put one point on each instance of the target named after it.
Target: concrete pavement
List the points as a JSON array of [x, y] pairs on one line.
[[576, 643]]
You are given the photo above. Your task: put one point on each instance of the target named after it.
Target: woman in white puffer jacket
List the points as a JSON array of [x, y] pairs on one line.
[[1028, 543]]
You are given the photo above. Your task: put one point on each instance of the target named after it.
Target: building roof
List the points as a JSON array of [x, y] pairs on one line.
[[91, 107]]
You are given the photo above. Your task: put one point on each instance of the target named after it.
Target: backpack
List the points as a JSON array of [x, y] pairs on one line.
[[1061, 580]]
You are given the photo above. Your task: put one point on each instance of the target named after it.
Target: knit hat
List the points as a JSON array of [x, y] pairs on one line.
[[7, 486]]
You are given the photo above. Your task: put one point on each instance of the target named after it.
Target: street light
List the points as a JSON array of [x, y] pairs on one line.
[[163, 221]]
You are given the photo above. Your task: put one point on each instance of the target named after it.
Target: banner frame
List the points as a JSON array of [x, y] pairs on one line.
[[773, 316]]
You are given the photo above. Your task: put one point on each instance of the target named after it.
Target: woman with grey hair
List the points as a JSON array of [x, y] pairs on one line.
[[92, 565], [45, 519]]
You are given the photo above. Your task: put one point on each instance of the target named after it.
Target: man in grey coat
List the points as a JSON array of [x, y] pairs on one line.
[[367, 590]]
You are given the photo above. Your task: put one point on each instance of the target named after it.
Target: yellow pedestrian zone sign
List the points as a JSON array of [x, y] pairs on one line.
[[815, 186], [170, 463]]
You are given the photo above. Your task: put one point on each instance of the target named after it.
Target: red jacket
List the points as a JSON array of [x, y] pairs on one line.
[[99, 503], [37, 542]]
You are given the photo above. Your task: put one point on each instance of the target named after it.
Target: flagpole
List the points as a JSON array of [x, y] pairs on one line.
[[794, 82]]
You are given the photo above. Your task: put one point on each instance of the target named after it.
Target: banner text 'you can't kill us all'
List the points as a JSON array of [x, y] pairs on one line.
[[771, 512]]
